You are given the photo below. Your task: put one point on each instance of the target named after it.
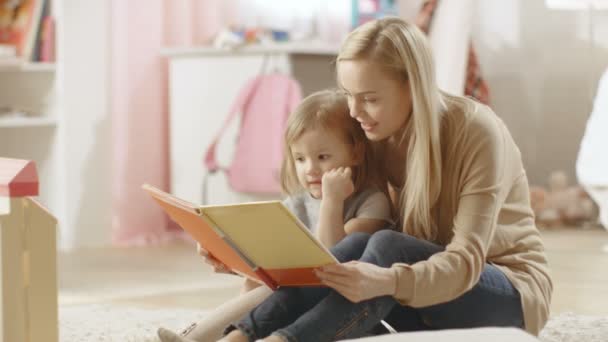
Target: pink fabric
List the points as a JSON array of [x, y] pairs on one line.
[[264, 104], [179, 23], [196, 22], [139, 120], [139, 106], [206, 20]]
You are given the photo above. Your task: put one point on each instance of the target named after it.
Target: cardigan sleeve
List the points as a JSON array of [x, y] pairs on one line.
[[454, 271]]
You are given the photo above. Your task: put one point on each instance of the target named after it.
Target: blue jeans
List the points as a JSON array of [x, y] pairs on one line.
[[321, 314]]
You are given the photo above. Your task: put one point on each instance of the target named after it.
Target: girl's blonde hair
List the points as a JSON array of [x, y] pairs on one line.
[[328, 109], [402, 50]]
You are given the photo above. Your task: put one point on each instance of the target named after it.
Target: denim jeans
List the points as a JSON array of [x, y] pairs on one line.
[[321, 314]]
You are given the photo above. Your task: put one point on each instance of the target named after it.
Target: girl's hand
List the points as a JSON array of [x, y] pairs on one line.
[[218, 266], [358, 281], [337, 184]]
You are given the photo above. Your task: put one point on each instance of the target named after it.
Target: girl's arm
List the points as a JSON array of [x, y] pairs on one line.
[[336, 186], [373, 215], [330, 228]]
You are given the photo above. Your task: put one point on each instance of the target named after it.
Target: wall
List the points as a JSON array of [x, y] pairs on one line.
[[539, 63], [84, 70], [542, 71]]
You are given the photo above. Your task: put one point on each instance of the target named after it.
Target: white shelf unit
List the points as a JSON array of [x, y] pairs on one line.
[[26, 67], [16, 122], [33, 87], [35, 136]]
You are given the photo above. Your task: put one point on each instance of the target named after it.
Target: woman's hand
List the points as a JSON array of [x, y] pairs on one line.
[[218, 266], [358, 281], [337, 183]]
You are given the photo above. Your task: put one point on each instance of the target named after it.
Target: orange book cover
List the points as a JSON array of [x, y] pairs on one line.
[[19, 22], [260, 240]]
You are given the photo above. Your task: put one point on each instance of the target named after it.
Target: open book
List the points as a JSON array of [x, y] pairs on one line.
[[260, 240]]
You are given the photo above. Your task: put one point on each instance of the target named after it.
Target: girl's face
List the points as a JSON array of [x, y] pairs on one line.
[[380, 103], [317, 151]]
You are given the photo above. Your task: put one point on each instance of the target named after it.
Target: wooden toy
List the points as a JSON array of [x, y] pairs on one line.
[[28, 258]]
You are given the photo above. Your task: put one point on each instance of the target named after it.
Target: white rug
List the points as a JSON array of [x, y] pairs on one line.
[[569, 327], [107, 323]]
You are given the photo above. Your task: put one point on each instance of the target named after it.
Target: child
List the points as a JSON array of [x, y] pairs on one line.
[[334, 186]]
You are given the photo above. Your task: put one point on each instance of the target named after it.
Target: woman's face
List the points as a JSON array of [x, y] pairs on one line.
[[379, 102]]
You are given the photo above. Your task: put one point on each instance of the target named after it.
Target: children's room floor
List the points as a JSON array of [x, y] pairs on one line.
[[173, 279]]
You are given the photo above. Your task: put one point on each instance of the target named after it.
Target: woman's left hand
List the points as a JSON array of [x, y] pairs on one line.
[[358, 281]]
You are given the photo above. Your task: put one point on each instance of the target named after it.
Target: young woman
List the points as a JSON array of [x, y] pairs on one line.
[[466, 253]]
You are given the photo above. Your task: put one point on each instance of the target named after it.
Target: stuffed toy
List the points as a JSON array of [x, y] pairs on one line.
[[561, 204]]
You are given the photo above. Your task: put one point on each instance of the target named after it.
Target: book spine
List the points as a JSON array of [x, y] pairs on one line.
[[47, 48], [266, 278]]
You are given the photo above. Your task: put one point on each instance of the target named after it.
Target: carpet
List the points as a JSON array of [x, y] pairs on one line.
[[109, 323], [570, 327]]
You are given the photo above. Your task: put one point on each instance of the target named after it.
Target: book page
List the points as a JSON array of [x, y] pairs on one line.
[[187, 216], [269, 235]]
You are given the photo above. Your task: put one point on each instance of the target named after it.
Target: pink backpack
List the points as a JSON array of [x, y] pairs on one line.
[[264, 103]]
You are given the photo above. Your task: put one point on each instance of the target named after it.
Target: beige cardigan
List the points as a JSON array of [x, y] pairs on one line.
[[484, 216]]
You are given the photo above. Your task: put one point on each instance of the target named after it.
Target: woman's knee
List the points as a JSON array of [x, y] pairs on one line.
[[387, 246], [351, 247], [388, 239]]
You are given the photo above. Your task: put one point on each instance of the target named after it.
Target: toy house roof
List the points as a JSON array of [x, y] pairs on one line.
[[18, 178]]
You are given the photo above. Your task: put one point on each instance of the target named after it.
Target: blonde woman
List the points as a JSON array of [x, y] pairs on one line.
[[466, 252], [334, 186]]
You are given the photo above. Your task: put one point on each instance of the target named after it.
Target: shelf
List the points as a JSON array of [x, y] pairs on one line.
[[16, 122], [17, 66], [303, 47]]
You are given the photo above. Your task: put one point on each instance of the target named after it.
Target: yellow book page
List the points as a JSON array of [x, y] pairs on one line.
[[269, 235]]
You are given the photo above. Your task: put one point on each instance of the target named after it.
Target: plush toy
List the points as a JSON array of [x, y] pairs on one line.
[[561, 204]]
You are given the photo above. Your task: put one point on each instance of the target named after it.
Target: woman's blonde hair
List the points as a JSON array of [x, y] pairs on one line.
[[402, 50], [328, 109]]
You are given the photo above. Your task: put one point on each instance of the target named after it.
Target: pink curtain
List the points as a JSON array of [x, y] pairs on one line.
[[139, 105]]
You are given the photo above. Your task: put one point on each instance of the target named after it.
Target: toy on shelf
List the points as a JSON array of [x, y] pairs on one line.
[[561, 204], [28, 257], [367, 10]]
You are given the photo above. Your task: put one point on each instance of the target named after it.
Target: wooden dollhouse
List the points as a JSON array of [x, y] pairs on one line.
[[28, 258]]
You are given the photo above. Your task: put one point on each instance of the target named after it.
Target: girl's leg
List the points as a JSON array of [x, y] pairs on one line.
[[287, 304], [211, 328]]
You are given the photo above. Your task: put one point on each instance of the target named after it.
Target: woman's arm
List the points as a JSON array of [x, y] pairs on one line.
[[485, 181]]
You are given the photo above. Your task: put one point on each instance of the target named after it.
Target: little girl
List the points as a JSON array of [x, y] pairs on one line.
[[334, 187]]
